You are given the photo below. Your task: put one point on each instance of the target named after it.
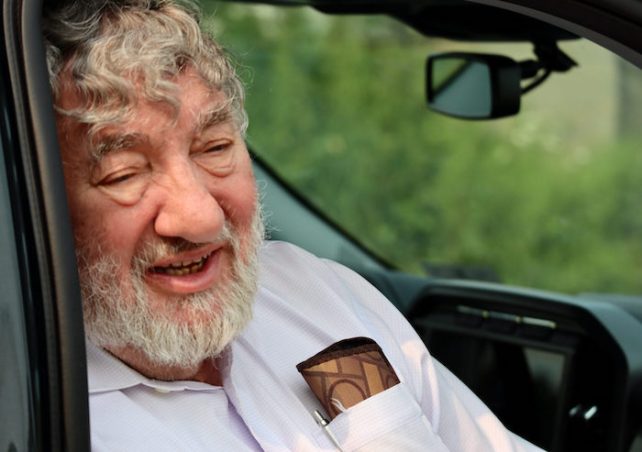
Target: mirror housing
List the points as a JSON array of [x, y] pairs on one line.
[[473, 85]]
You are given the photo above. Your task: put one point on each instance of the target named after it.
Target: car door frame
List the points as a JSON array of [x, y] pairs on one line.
[[44, 241]]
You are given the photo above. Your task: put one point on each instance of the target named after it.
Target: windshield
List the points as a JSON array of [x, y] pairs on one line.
[[549, 198]]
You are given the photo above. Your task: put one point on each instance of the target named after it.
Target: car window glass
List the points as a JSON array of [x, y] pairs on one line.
[[14, 366], [549, 198]]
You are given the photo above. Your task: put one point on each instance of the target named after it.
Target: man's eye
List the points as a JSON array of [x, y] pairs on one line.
[[217, 157], [116, 179], [218, 148]]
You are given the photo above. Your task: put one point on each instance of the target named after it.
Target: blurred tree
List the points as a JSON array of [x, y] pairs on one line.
[[336, 105], [629, 100]]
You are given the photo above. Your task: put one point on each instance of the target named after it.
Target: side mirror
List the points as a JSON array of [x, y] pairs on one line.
[[473, 85]]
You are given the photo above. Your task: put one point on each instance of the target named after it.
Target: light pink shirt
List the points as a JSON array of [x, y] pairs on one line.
[[304, 304]]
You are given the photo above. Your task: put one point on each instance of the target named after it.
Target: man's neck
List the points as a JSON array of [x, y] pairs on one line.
[[206, 372]]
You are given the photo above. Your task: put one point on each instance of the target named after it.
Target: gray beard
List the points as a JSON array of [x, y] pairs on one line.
[[118, 314]]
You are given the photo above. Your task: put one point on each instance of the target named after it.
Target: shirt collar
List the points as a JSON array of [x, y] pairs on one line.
[[106, 373]]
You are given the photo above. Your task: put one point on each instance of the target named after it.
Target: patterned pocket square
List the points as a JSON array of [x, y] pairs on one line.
[[346, 373]]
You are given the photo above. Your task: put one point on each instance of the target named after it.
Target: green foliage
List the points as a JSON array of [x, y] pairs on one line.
[[337, 106]]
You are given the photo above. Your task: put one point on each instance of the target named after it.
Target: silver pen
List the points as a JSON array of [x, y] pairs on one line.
[[323, 422]]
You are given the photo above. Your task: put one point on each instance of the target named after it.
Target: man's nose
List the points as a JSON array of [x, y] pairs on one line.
[[188, 210]]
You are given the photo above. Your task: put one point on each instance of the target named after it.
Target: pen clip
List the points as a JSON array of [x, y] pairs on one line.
[[323, 422]]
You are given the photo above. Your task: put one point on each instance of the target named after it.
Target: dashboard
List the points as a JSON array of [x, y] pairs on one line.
[[563, 372]]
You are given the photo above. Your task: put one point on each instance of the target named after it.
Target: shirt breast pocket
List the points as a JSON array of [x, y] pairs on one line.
[[390, 421]]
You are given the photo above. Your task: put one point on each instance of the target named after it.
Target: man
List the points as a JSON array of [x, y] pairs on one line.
[[194, 326]]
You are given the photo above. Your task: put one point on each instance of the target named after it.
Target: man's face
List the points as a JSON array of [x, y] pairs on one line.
[[164, 210]]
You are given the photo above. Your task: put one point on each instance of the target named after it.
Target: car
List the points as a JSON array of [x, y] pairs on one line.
[[507, 232]]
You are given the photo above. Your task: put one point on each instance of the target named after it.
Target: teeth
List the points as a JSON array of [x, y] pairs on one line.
[[183, 268]]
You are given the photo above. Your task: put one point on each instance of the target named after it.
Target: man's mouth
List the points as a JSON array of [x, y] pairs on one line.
[[183, 268]]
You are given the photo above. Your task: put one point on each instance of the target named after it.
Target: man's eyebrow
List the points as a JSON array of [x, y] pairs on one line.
[[116, 142], [214, 116]]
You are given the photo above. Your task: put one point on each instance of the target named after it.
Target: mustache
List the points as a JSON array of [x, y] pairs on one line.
[[166, 247]]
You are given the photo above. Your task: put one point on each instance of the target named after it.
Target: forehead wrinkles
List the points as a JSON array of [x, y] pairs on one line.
[[119, 94], [118, 134], [106, 141]]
